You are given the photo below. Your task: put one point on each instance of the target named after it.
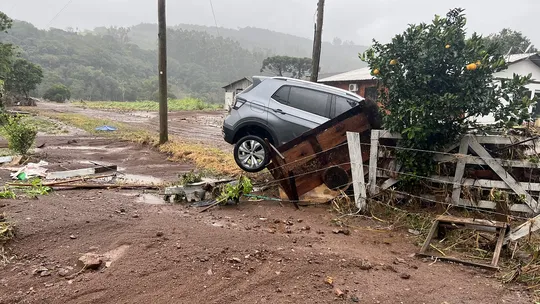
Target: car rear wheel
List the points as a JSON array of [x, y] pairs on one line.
[[251, 153]]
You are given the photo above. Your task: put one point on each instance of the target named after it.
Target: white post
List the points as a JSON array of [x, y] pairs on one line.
[[357, 170], [373, 158]]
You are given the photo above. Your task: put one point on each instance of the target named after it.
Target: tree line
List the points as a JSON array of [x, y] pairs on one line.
[[105, 64]]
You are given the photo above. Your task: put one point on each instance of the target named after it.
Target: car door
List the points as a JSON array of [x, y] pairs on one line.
[[294, 110]]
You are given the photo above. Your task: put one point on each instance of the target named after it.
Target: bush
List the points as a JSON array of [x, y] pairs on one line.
[[58, 93], [437, 82], [20, 136]]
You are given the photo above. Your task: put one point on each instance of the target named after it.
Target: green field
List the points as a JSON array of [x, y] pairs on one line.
[[187, 104]]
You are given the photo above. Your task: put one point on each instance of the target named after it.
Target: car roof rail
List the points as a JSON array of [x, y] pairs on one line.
[[345, 92]]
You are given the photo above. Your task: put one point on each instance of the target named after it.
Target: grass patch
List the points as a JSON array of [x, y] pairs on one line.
[[205, 158], [41, 124], [7, 229], [187, 104]]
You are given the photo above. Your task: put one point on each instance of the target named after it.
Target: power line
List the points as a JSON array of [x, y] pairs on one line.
[[58, 14], [214, 14]]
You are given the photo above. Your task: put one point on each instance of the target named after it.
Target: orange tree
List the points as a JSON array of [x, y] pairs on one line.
[[437, 82]]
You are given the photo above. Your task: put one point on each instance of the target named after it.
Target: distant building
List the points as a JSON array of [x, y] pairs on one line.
[[523, 65], [358, 81], [234, 88]]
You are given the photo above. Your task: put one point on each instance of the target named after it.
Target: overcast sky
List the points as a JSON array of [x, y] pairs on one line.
[[356, 20]]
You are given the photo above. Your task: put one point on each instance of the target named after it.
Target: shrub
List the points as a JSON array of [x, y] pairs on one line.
[[58, 93], [20, 136], [438, 82]]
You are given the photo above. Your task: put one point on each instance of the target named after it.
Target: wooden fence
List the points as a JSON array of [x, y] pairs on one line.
[[472, 152]]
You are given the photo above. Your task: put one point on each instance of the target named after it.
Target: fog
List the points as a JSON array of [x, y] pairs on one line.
[[356, 20]]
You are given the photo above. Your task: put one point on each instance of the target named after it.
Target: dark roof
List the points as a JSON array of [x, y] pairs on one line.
[[241, 79]]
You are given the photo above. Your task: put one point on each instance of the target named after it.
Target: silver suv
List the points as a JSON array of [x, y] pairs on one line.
[[279, 109]]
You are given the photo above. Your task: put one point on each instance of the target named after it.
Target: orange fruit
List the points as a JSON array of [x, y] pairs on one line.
[[393, 62], [471, 67], [447, 46], [376, 72]]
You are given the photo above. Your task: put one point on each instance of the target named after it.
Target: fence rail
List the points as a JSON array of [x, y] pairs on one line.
[[475, 143]]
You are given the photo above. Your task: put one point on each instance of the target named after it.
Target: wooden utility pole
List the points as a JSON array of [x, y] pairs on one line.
[[162, 35], [317, 41]]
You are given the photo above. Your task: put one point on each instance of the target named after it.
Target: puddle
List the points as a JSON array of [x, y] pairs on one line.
[[95, 148], [140, 179], [150, 199]]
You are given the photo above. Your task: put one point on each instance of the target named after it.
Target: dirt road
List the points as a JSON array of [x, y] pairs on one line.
[[256, 252], [196, 126]]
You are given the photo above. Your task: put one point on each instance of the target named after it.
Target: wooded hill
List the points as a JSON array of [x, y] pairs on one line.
[[121, 64]]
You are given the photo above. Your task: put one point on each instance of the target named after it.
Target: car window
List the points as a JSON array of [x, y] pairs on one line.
[[309, 100], [282, 95], [343, 105]]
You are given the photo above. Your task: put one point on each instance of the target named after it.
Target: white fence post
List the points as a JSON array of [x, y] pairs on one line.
[[357, 170], [373, 158]]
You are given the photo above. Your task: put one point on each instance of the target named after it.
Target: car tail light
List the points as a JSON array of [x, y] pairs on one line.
[[238, 102]]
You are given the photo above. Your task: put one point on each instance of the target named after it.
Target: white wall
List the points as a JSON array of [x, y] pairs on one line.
[[522, 68]]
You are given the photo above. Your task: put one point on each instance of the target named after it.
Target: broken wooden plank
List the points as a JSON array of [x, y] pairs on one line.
[[470, 221], [104, 186], [456, 260], [357, 170], [503, 174], [55, 183], [530, 226]]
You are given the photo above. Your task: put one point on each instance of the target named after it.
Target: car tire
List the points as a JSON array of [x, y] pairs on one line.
[[251, 153]]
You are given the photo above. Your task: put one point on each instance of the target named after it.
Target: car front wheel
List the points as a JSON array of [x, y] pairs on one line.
[[251, 153]]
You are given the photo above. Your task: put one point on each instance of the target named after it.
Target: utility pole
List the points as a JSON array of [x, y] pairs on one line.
[[162, 35], [317, 41]]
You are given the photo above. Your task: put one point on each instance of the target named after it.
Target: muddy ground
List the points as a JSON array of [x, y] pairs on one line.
[[256, 252], [202, 127]]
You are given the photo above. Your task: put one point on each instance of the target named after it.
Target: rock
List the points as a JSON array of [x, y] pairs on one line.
[[365, 265], [159, 233], [389, 268], [414, 232], [306, 228], [209, 272], [39, 270], [355, 299], [135, 216], [278, 290], [405, 276], [204, 259], [235, 260], [339, 293], [73, 237], [90, 261], [342, 231], [45, 273], [49, 285], [63, 272]]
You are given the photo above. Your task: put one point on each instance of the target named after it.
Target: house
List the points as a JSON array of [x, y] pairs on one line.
[[523, 64], [234, 88], [358, 81], [520, 64]]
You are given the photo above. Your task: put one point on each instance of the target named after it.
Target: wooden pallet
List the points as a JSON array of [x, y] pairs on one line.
[[451, 222]]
